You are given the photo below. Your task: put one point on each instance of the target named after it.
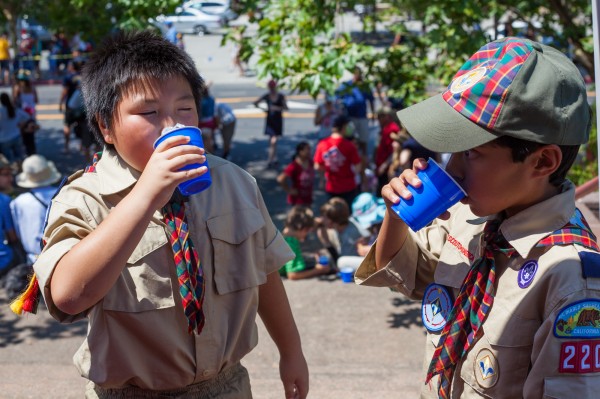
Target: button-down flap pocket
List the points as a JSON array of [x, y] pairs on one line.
[[236, 227], [239, 250], [145, 284], [507, 329], [154, 238], [451, 275]]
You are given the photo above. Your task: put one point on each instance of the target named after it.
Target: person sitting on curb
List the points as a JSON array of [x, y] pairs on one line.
[[338, 232], [298, 224]]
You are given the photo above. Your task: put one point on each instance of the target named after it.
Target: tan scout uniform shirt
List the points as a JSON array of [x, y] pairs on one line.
[[517, 339], [138, 333]]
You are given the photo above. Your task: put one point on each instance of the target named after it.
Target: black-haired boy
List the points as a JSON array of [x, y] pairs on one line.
[[167, 317]]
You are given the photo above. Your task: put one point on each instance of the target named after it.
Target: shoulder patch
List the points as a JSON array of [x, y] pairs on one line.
[[590, 264], [579, 320]]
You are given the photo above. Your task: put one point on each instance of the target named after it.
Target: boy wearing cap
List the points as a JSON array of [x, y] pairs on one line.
[[509, 278], [170, 285]]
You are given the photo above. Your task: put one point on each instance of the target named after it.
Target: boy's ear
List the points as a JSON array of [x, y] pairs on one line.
[[104, 130], [547, 160]]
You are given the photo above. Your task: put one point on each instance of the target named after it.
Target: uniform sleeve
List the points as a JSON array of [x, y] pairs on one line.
[[67, 226], [565, 360], [412, 269]]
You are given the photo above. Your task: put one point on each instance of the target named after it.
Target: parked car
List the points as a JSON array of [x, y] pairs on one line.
[[220, 8], [191, 20], [35, 30]]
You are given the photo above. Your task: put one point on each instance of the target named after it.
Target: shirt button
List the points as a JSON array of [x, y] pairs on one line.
[[206, 373]]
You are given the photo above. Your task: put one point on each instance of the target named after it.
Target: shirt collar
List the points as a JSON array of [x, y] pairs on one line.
[[525, 229], [116, 174]]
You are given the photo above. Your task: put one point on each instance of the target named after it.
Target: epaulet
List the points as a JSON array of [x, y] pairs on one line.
[[590, 264]]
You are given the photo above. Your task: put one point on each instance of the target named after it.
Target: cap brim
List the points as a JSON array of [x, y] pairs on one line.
[[438, 127]]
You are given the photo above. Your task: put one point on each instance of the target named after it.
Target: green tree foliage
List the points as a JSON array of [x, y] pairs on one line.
[[297, 41], [94, 18]]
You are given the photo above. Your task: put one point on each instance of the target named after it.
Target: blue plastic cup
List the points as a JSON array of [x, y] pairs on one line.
[[200, 183], [347, 274], [324, 260], [438, 192]]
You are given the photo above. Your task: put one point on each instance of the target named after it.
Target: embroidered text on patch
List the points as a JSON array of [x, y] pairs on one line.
[[460, 247], [579, 320]]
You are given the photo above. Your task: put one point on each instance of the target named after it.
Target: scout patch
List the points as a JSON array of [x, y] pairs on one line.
[[436, 305], [527, 273], [580, 357], [467, 80], [486, 368], [579, 320]]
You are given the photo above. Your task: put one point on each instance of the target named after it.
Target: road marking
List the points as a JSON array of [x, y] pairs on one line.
[[261, 114]]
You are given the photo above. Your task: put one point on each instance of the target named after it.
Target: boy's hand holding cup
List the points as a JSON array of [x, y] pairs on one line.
[[422, 194], [198, 183]]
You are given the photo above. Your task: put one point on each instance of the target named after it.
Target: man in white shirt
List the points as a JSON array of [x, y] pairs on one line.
[[29, 209]]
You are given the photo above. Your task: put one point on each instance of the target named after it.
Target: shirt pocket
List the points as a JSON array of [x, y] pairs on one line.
[[239, 250], [571, 386], [506, 346], [145, 283]]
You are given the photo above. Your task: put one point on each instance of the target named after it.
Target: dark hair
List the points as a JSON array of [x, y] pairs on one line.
[[340, 121], [299, 147], [300, 217], [125, 60], [5, 100], [521, 149], [336, 210]]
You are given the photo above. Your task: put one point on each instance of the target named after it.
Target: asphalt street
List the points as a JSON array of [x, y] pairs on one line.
[[360, 343]]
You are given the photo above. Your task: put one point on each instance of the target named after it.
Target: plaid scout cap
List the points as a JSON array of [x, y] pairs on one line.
[[510, 87]]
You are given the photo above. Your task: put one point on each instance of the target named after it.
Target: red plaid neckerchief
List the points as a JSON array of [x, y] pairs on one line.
[[476, 295], [189, 268]]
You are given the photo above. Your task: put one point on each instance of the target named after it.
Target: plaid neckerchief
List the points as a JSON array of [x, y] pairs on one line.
[[476, 295], [189, 268]]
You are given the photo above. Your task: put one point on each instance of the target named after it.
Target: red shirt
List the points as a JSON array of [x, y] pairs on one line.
[[385, 149], [336, 155], [303, 180]]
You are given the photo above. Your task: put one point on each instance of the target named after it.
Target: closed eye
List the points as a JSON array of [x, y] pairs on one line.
[[148, 113]]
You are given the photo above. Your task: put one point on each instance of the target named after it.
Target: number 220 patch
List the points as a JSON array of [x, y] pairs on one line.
[[580, 357]]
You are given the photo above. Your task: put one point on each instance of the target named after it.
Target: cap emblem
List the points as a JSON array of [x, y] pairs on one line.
[[467, 80]]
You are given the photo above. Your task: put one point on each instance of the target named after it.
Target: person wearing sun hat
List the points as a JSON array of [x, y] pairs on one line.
[[509, 278], [28, 210], [368, 212]]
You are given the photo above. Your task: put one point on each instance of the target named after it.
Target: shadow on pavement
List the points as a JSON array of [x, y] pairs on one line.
[[16, 329], [410, 315]]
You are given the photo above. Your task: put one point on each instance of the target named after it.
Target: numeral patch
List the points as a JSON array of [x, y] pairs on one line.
[[580, 357]]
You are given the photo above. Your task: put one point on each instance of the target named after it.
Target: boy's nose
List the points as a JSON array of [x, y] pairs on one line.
[[168, 121]]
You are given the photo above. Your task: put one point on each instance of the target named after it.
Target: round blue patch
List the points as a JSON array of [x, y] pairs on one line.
[[527, 273], [436, 306]]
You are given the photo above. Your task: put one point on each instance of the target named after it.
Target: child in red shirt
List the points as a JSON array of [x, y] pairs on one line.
[[301, 174]]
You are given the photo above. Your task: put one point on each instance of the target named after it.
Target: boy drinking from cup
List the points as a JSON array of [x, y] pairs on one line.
[[171, 285], [508, 278]]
